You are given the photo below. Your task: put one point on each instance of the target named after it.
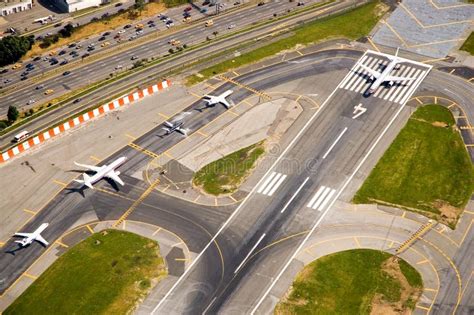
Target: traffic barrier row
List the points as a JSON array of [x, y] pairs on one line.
[[128, 99]]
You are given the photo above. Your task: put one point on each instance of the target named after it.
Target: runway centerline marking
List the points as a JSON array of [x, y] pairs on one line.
[[294, 195], [250, 252], [334, 143]]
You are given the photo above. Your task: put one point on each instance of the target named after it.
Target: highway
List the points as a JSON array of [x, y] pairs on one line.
[[317, 157], [101, 69]]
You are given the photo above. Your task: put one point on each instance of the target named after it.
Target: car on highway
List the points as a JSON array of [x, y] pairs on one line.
[[134, 57], [31, 102], [24, 78], [140, 32], [4, 71], [72, 45], [139, 26], [127, 26], [77, 100], [39, 87], [7, 81], [231, 26], [163, 17], [101, 38], [45, 58], [203, 10], [121, 31], [104, 44], [53, 61], [62, 52], [66, 73], [150, 22], [132, 37], [16, 66], [152, 25], [117, 36], [24, 74], [30, 65], [117, 67], [119, 4], [53, 53], [64, 62], [37, 58], [91, 48], [48, 91], [86, 55], [106, 34], [187, 9]]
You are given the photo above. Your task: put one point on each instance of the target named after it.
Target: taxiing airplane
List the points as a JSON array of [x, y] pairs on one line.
[[29, 238], [175, 126], [378, 78], [213, 100], [105, 170]]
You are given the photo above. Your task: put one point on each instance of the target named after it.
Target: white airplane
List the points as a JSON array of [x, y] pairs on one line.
[[175, 126], [213, 100], [28, 238], [379, 78], [44, 20], [105, 170]]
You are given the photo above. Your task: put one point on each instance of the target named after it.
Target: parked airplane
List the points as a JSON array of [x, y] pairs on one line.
[[28, 238], [105, 170], [175, 126], [44, 20], [213, 100], [379, 78]]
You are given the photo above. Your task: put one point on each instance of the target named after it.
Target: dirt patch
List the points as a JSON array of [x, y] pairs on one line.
[[449, 214], [439, 124], [381, 9], [379, 306]]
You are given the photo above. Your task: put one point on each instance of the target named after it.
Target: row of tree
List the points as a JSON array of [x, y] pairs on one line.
[[12, 48]]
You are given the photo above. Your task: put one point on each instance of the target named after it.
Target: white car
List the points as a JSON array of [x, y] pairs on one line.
[[121, 31], [231, 26], [118, 67], [31, 102], [169, 25], [139, 32]]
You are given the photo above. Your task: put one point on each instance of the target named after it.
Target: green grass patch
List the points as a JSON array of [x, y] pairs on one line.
[[351, 282], [105, 274], [426, 169], [469, 44], [224, 176], [352, 25]]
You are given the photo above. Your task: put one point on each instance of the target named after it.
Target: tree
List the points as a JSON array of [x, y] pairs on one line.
[[139, 5], [3, 124], [171, 50], [12, 48], [12, 114], [215, 33]]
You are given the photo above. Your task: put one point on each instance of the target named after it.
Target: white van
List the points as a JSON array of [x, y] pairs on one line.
[[21, 136]]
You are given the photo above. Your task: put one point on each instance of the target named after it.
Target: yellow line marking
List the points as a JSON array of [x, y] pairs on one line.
[[250, 104], [373, 44], [61, 243], [95, 158], [396, 33], [431, 290], [181, 259], [90, 229], [466, 232], [235, 73], [436, 100], [30, 276], [452, 71], [195, 95], [59, 182], [230, 111], [157, 230], [209, 85], [143, 150], [197, 198], [357, 241], [470, 212], [422, 307], [130, 136], [168, 155], [418, 100], [404, 214], [124, 224], [390, 245], [30, 211], [164, 116], [177, 244], [422, 262], [434, 60], [448, 6], [215, 202], [430, 26], [230, 196], [299, 53], [202, 133]]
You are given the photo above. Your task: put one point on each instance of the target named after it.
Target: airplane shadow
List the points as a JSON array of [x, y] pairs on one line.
[[19, 247], [77, 190]]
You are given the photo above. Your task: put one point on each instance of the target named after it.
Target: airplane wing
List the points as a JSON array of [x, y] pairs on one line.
[[23, 234], [167, 123], [40, 239], [90, 167], [225, 103], [397, 79], [184, 132], [114, 176], [372, 72]]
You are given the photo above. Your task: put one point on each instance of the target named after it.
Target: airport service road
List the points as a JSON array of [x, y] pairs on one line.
[[101, 69], [296, 191], [106, 203]]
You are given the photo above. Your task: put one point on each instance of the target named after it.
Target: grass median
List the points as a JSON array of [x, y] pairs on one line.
[[361, 281], [469, 44], [352, 25], [108, 273], [426, 169], [225, 175]]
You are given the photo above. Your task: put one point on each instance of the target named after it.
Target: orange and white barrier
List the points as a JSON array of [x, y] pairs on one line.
[[128, 99]]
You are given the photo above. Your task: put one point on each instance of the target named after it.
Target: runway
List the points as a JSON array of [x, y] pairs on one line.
[[304, 178]]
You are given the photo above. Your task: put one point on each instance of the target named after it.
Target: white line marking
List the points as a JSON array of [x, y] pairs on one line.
[[328, 197], [415, 86], [334, 143], [275, 187], [323, 215], [269, 186], [321, 198], [251, 251], [231, 217], [269, 178], [209, 306], [316, 196], [294, 195]]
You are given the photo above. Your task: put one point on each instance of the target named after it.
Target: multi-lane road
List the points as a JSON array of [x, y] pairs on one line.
[[25, 93], [316, 160]]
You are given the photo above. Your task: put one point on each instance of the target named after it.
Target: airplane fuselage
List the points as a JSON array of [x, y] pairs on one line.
[[175, 126], [381, 79], [30, 239], [112, 166]]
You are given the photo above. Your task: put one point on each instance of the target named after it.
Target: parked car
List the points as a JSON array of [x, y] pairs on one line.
[[66, 73]]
